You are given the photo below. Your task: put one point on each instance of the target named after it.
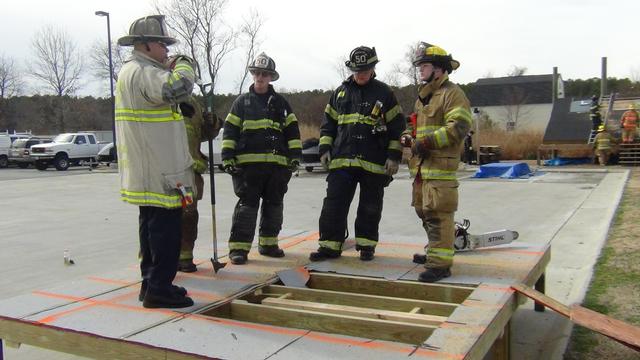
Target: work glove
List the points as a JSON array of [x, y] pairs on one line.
[[230, 167], [187, 109], [391, 167], [174, 59], [293, 165], [419, 148], [406, 140], [211, 125], [325, 159]]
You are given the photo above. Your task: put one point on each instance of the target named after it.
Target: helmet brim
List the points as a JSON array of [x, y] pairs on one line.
[[129, 40], [455, 64], [351, 66], [274, 74]]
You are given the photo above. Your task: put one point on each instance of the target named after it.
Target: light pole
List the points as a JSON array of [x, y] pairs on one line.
[[113, 107]]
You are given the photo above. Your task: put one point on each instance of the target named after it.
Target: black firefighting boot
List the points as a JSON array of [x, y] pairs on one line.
[[271, 251], [323, 254], [238, 257], [433, 274], [175, 288], [366, 254], [187, 266]]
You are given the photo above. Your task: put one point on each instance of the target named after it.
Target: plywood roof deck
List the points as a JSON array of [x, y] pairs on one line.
[[100, 317]]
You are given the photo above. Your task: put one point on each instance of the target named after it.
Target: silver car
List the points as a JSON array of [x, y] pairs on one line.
[[20, 151]]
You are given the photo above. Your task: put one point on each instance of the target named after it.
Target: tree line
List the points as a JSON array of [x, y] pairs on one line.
[[57, 66], [40, 113]]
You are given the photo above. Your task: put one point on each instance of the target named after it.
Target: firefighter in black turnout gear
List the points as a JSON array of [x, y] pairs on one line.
[[359, 144], [261, 147]]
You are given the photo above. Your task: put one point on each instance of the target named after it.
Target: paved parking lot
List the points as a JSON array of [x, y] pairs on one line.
[[44, 213]]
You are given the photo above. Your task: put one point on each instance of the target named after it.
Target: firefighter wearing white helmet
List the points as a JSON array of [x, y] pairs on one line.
[[443, 120], [359, 144], [260, 148], [153, 153]]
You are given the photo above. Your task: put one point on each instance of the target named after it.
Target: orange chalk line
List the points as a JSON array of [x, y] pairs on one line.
[[432, 353], [297, 240], [113, 302], [479, 304], [489, 287], [368, 344]]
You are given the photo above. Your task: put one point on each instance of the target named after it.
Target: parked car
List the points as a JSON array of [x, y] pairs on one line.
[[311, 154], [5, 144], [108, 154], [6, 139], [67, 149], [20, 151]]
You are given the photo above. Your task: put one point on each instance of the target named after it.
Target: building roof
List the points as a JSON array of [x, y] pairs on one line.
[[566, 126], [512, 90]]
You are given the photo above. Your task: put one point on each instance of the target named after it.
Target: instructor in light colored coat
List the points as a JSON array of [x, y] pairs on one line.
[[154, 160]]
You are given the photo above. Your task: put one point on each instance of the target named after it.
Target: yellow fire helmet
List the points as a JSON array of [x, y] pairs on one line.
[[426, 52]]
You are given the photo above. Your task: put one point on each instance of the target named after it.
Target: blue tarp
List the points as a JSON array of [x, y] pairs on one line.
[[505, 170], [567, 161]]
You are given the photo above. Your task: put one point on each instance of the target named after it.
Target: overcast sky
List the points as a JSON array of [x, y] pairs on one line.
[[306, 38]]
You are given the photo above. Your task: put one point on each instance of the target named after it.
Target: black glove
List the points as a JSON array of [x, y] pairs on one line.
[[210, 125], [230, 167], [293, 165], [187, 109]]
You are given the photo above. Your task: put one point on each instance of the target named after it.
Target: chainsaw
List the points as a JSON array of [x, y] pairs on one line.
[[467, 242]]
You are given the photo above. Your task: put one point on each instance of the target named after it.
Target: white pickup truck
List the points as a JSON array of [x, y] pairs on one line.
[[67, 149]]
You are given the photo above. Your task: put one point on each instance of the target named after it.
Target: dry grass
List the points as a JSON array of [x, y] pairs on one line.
[[520, 145], [616, 282], [309, 131]]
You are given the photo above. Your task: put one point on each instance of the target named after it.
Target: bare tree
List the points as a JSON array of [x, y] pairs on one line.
[[11, 83], [488, 74], [57, 62], [515, 100], [341, 69], [393, 77], [634, 74], [515, 110], [405, 68], [207, 39], [249, 31], [517, 71], [99, 57]]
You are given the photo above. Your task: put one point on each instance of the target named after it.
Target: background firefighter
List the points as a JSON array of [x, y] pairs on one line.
[[594, 113], [602, 144], [444, 118], [260, 148], [201, 126], [359, 144], [629, 124], [153, 153]]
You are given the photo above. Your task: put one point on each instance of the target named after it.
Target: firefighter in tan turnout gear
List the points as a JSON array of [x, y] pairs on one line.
[[260, 148], [153, 152], [359, 144], [603, 143], [444, 118], [201, 126]]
